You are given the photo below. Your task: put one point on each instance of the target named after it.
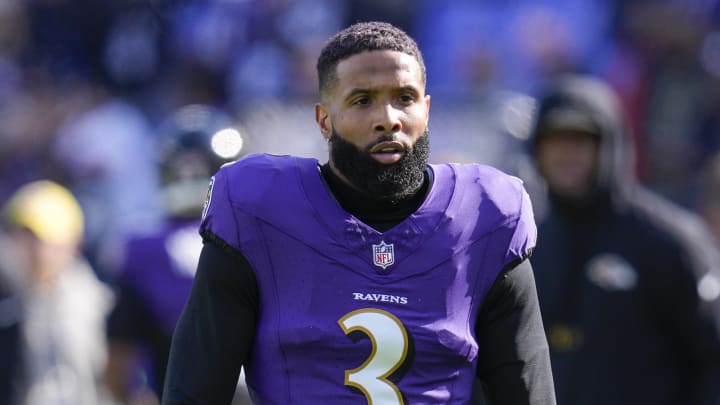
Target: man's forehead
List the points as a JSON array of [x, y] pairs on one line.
[[379, 63]]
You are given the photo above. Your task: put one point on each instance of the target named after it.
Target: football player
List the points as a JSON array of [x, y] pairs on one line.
[[371, 278], [157, 269]]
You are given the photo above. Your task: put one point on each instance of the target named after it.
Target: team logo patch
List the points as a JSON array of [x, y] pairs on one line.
[[208, 198], [383, 254]]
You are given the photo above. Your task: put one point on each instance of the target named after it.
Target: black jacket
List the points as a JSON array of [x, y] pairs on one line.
[[626, 280]]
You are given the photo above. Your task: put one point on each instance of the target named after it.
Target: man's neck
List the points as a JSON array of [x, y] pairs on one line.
[[377, 212]]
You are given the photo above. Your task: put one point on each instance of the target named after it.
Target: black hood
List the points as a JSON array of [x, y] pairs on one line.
[[589, 105]]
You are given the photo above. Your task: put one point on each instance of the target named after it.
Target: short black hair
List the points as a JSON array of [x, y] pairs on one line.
[[363, 37]]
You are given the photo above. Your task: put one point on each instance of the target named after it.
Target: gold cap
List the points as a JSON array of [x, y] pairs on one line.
[[48, 210]]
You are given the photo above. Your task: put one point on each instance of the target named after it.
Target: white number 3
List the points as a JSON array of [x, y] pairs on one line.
[[389, 350]]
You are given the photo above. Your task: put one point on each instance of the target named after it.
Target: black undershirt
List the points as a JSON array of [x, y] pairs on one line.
[[379, 214], [215, 333]]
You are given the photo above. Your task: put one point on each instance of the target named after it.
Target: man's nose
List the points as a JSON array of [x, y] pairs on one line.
[[388, 119]]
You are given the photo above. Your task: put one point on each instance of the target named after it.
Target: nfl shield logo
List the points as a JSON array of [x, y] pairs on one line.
[[383, 254]]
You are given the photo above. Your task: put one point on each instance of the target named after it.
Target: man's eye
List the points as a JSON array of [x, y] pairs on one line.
[[406, 98], [361, 101]]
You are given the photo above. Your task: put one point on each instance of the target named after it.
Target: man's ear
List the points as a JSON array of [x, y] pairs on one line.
[[427, 109], [323, 119]]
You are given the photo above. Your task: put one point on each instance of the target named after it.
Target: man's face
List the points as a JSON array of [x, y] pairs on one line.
[[567, 160], [378, 105], [40, 261]]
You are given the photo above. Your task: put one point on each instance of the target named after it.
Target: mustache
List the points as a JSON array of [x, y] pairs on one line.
[[382, 138]]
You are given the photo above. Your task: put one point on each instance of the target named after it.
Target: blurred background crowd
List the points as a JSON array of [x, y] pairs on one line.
[[89, 89]]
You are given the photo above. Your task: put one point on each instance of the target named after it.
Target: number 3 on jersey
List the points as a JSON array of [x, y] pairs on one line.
[[389, 350]]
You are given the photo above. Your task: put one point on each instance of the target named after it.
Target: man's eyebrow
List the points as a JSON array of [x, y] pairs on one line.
[[409, 88], [358, 90]]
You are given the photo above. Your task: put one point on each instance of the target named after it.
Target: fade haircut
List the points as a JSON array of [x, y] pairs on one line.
[[363, 37]]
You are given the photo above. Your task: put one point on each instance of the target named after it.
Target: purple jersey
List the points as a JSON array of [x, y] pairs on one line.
[[352, 315], [160, 268], [152, 288]]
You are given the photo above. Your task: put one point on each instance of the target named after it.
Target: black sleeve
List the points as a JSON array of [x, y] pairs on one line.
[[214, 335], [513, 359]]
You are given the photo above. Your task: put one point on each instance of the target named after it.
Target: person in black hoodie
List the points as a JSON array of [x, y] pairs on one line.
[[627, 281]]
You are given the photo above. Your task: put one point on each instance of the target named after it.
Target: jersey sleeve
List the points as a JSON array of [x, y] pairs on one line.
[[514, 359], [219, 223], [524, 234], [214, 334]]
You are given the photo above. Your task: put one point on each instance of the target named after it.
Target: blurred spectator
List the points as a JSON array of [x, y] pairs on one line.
[[628, 282], [663, 61], [676, 100], [106, 148], [62, 306], [158, 268], [25, 140]]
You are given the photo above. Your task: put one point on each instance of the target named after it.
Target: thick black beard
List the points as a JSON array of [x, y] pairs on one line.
[[390, 183]]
